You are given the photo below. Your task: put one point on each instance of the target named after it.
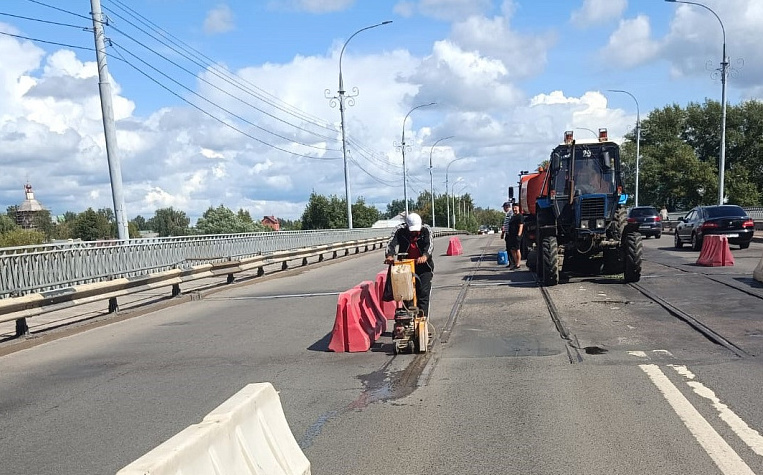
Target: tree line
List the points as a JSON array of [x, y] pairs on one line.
[[680, 150]]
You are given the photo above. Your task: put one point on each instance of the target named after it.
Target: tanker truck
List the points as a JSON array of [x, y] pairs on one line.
[[575, 217]]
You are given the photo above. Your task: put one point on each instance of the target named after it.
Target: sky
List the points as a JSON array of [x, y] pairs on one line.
[[234, 102]]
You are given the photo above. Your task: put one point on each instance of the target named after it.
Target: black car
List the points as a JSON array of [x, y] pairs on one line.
[[729, 220], [648, 219]]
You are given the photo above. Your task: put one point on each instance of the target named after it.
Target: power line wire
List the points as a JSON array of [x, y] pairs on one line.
[[212, 66], [45, 21], [60, 9], [46, 42], [217, 105], [218, 119]]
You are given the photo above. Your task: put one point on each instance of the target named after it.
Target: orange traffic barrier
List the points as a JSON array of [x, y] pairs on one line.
[[359, 320], [454, 247], [388, 308], [715, 252]]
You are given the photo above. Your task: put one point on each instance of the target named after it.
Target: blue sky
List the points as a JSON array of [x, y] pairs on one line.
[[241, 118]]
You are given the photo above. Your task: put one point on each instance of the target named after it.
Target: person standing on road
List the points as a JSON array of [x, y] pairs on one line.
[[505, 231], [514, 231], [415, 239]]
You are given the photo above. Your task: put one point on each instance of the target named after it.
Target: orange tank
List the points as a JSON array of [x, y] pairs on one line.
[[530, 188]]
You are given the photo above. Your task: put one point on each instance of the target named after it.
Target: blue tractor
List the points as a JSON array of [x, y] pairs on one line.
[[580, 218]]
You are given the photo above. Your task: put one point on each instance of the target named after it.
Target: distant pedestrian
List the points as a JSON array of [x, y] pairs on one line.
[[514, 235], [505, 230], [664, 214]]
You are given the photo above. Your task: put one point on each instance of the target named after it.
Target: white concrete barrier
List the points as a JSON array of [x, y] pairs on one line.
[[757, 274], [247, 434]]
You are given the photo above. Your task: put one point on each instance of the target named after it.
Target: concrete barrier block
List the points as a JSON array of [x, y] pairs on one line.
[[247, 435], [757, 274]]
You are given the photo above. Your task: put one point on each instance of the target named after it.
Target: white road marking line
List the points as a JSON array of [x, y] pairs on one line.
[[728, 461], [638, 354], [664, 352], [749, 436]]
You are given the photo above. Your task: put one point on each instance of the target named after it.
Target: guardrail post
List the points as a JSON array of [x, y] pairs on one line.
[[260, 271], [320, 257], [21, 327], [175, 290], [304, 261], [113, 305], [230, 279], [284, 265]]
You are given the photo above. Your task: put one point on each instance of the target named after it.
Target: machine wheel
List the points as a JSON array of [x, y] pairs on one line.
[[634, 250], [411, 346], [532, 260], [696, 244], [744, 245], [621, 219], [677, 243], [612, 262], [550, 257]]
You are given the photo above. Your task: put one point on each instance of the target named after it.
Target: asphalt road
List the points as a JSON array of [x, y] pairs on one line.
[[649, 393]]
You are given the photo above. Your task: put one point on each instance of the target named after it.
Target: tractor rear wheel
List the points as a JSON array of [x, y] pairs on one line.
[[550, 258], [634, 250]]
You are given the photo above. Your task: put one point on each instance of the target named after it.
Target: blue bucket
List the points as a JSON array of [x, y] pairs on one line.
[[503, 258]]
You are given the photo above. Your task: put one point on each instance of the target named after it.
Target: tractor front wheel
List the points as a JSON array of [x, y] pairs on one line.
[[634, 250]]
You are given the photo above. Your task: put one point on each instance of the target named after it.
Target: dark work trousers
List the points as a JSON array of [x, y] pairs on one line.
[[423, 287], [508, 251]]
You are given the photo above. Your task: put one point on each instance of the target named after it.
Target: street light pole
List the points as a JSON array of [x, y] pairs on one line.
[[724, 72], [447, 201], [431, 179], [340, 98], [638, 134], [402, 149], [453, 194], [586, 128]]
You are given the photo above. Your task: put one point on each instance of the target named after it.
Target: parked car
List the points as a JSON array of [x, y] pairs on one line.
[[483, 229], [648, 219], [729, 220]]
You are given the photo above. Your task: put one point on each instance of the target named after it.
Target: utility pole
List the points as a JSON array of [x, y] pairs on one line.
[[107, 109]]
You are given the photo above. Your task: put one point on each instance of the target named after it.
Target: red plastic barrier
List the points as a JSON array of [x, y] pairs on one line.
[[359, 320], [715, 252], [454, 247], [388, 308], [371, 309]]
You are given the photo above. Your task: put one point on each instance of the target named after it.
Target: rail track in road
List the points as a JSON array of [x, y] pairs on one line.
[[575, 351]]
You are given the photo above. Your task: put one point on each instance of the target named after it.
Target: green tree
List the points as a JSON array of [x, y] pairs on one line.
[[363, 216], [7, 224], [169, 222], [21, 237], [222, 220], [398, 206], [141, 223], [324, 213], [91, 226], [43, 223]]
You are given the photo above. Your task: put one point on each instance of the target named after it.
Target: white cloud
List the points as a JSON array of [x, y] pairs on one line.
[[219, 20], [450, 10], [596, 12], [312, 6], [631, 45]]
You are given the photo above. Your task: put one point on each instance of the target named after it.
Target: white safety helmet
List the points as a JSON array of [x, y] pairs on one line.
[[413, 221]]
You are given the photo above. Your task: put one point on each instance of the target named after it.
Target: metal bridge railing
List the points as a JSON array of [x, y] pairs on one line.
[[32, 269]]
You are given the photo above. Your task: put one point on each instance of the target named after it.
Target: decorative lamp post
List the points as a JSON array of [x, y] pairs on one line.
[[724, 73], [431, 179], [402, 148], [638, 134], [586, 128], [340, 98], [447, 201]]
